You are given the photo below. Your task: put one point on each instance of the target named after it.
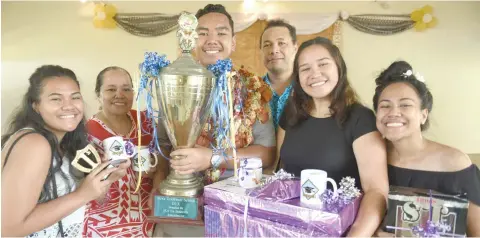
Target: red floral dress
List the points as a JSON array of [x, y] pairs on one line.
[[123, 213]]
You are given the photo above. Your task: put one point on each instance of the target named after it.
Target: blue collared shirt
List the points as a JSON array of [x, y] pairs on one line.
[[277, 103]]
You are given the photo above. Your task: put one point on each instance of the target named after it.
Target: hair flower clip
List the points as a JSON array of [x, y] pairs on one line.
[[418, 76], [408, 73]]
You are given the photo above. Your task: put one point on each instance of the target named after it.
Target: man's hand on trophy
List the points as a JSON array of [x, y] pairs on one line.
[[191, 160]]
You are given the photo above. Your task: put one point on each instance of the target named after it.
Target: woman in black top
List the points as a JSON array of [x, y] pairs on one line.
[[403, 103], [324, 127]]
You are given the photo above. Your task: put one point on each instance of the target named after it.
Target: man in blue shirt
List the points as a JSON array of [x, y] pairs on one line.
[[278, 45]]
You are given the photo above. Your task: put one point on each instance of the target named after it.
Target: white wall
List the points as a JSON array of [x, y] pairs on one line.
[[36, 33]]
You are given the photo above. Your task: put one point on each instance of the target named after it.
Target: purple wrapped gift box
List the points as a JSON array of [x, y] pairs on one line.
[[228, 195], [223, 223]]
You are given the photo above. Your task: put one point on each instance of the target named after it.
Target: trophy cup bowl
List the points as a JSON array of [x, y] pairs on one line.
[[183, 93]]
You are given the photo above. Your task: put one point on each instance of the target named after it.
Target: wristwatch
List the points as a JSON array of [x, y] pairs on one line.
[[217, 157]]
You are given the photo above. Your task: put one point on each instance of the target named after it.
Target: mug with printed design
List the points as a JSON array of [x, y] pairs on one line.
[[250, 172], [142, 161], [117, 150], [314, 184]]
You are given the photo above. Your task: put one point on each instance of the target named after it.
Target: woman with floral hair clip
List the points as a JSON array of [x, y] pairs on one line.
[[403, 104]]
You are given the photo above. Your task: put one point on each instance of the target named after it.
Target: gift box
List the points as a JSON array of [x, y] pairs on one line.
[[281, 207], [421, 212], [224, 223]]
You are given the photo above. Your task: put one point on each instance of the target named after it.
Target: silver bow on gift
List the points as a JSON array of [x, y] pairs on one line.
[[280, 175], [346, 194]]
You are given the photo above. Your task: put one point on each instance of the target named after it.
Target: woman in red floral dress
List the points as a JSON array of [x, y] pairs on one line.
[[122, 213]]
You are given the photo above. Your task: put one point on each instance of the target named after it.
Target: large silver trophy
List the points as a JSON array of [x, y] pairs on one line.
[[183, 94]]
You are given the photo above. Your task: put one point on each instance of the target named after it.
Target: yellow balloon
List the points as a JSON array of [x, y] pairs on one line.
[[432, 23], [98, 23], [99, 8], [109, 23], [427, 9], [416, 15], [420, 26], [110, 10]]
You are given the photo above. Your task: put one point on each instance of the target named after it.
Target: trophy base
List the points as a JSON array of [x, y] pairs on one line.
[[177, 210]]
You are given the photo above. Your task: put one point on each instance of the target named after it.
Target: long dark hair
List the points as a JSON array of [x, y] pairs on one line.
[[396, 73], [343, 95], [26, 116]]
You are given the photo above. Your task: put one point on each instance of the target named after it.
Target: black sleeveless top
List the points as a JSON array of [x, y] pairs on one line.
[[319, 143], [457, 182]]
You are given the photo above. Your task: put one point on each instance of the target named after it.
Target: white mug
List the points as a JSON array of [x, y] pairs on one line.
[[145, 160], [314, 184], [116, 151], [250, 172]]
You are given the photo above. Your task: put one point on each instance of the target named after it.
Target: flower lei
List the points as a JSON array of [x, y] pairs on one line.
[[258, 96], [251, 100]]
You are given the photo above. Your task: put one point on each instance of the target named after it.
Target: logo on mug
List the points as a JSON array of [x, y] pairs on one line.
[[309, 189], [143, 160], [116, 148]]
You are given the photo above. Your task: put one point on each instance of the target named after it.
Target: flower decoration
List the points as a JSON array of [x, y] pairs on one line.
[[423, 18], [251, 96], [250, 103], [259, 95], [104, 14], [418, 76], [408, 73]]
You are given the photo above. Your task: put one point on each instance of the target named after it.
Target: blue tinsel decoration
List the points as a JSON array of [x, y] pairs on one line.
[[149, 71], [220, 111]]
